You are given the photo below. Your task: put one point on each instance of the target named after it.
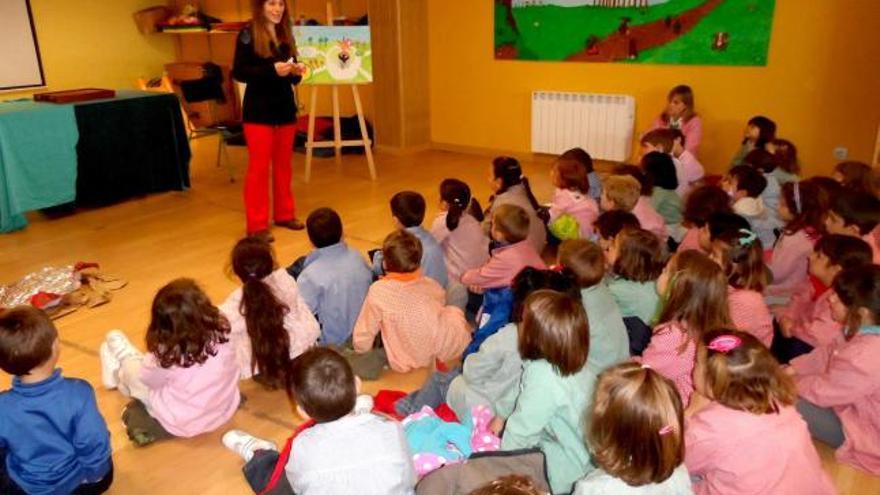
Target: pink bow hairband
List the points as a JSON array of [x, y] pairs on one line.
[[725, 343]]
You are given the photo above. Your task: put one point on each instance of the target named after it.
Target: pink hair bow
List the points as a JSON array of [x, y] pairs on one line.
[[725, 343]]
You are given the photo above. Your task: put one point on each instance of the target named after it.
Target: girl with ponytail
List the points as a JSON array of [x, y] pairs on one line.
[[510, 186], [270, 321], [458, 231]]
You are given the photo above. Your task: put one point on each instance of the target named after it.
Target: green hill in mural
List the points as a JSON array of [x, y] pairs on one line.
[[709, 32]]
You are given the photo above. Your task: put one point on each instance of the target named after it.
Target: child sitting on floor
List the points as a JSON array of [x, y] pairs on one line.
[[333, 279], [691, 170], [787, 166], [624, 192], [511, 187], [701, 204], [660, 172], [408, 211], [269, 322], [410, 311], [609, 342], [611, 223], [855, 176], [694, 289], [457, 228], [738, 250], [586, 161], [802, 206], [856, 214], [807, 321], [510, 229], [745, 184], [635, 260], [557, 387], [758, 133], [742, 434], [572, 211], [342, 448], [187, 383], [838, 384], [636, 435], [52, 437]]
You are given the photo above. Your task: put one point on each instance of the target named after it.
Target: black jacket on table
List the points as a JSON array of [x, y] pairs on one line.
[[268, 98]]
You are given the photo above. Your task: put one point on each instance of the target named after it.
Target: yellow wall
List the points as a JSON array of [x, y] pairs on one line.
[[95, 43], [821, 84]]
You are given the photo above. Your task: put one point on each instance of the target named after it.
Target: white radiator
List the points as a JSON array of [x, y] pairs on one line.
[[600, 124]]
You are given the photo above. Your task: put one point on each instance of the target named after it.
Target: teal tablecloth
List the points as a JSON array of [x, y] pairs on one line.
[[38, 161]]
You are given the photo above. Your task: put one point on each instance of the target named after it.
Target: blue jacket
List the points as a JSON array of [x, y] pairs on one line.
[[54, 437], [497, 306]]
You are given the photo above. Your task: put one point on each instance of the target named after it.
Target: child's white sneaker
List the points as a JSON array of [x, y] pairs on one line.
[[113, 350], [119, 346], [244, 444]]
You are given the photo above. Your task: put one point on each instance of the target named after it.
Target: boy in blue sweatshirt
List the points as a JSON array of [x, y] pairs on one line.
[[53, 440]]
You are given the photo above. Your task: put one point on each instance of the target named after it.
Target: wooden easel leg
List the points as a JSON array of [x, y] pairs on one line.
[[365, 137], [337, 128], [310, 141]]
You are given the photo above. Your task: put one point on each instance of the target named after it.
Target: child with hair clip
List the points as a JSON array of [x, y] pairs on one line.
[[609, 341], [731, 243], [701, 204], [410, 311], [408, 212], [586, 161], [510, 186], [491, 375], [187, 382], [340, 449], [557, 385], [635, 260], [758, 133], [269, 321], [572, 211], [636, 435], [855, 176], [457, 228], [802, 206], [694, 291], [838, 384], [857, 214], [629, 191], [510, 230], [787, 166], [679, 114], [743, 436], [690, 171], [745, 185], [660, 173], [807, 321]]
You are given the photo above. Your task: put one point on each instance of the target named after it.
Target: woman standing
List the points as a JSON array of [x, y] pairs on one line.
[[265, 60]]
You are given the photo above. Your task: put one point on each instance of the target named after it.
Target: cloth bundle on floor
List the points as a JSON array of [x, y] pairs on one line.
[[62, 290], [436, 443]]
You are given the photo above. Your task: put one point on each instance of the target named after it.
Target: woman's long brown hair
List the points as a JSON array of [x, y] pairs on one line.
[[697, 295], [252, 261], [263, 37]]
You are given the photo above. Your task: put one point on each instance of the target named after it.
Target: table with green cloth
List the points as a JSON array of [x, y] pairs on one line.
[[89, 153]]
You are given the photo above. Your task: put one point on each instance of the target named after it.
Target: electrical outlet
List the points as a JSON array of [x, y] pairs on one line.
[[840, 153]]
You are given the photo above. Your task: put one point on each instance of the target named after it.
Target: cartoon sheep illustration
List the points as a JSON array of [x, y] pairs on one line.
[[343, 61]]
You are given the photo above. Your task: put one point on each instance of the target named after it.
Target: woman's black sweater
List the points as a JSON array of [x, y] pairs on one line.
[[269, 97]]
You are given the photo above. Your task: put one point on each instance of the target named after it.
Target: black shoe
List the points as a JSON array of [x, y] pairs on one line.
[[263, 235], [292, 224]]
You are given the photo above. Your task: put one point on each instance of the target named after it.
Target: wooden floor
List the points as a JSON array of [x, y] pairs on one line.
[[151, 240]]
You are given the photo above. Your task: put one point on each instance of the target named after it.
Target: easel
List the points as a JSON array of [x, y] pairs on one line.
[[337, 144]]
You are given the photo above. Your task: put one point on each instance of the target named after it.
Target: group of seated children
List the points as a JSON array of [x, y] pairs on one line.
[[646, 360]]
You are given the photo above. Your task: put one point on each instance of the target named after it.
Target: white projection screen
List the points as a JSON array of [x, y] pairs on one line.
[[20, 65]]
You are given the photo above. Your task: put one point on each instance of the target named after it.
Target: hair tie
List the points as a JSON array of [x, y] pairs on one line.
[[749, 237], [666, 430], [646, 366], [252, 276], [797, 197], [725, 343]]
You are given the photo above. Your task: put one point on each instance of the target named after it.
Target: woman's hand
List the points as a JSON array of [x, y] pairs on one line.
[[298, 69], [283, 68]]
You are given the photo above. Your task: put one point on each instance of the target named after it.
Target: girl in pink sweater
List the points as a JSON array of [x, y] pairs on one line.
[[188, 381], [738, 250], [839, 385], [802, 206], [807, 321], [742, 434], [458, 230], [695, 290], [269, 320], [571, 201]]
